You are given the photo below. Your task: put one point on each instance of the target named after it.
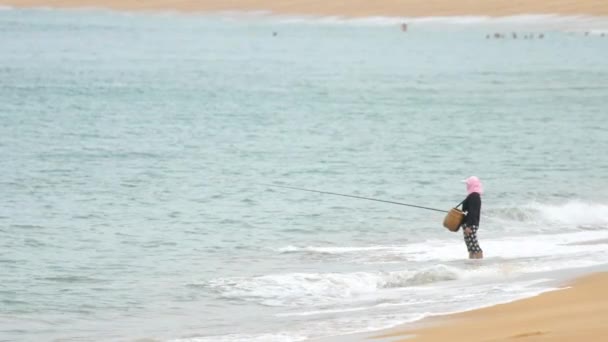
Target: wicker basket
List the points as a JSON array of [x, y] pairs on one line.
[[453, 219]]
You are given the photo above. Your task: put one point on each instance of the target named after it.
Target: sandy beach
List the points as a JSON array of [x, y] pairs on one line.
[[351, 8], [576, 313]]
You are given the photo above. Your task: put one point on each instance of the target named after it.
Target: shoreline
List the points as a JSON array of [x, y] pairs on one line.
[[572, 312], [351, 9], [556, 283]]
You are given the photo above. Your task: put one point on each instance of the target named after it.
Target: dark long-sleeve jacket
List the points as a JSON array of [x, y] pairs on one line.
[[472, 206]]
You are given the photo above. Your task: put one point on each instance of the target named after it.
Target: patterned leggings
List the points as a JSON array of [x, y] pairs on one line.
[[471, 240]]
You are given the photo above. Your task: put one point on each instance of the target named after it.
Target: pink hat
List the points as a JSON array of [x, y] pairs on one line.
[[474, 185]]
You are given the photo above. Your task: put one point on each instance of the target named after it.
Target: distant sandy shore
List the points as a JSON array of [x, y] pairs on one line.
[[346, 8], [576, 314]]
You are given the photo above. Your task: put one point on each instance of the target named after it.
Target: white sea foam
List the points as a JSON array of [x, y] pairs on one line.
[[314, 329], [533, 19], [280, 337], [575, 213], [313, 289], [338, 321], [517, 22], [571, 212], [335, 250], [320, 289], [528, 242]]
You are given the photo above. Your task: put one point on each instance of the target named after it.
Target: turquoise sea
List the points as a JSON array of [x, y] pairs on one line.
[[135, 149]]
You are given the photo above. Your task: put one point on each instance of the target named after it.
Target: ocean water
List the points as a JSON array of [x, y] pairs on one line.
[[135, 148]]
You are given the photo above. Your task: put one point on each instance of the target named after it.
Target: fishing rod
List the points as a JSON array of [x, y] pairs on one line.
[[351, 196]]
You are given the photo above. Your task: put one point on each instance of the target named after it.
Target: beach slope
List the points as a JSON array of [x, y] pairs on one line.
[[348, 8], [577, 313]]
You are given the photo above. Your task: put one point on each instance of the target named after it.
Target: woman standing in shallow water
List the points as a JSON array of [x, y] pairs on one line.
[[472, 207]]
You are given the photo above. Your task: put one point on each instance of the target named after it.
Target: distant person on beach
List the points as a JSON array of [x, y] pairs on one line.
[[404, 27], [472, 207]]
